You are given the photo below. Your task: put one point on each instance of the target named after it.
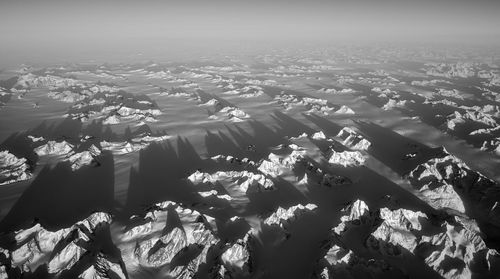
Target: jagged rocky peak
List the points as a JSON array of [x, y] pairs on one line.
[[135, 144], [319, 136], [353, 139], [237, 257], [61, 88], [485, 116], [445, 182], [393, 103], [66, 250], [168, 231], [246, 180], [492, 145], [12, 168], [88, 157], [275, 165], [338, 255], [233, 160], [355, 213], [157, 252], [85, 158], [461, 241], [102, 269], [345, 110], [115, 107], [445, 166], [347, 158], [284, 216], [214, 193], [437, 243], [398, 228], [313, 105], [402, 231], [53, 147], [343, 263]]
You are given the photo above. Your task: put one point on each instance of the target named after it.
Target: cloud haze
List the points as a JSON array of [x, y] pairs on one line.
[[61, 26]]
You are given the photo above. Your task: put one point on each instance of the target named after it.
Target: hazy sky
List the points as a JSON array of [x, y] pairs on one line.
[[65, 25]]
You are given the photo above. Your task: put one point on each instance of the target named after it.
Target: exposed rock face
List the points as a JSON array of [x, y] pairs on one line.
[[36, 139], [392, 103], [13, 169], [114, 108], [492, 145], [68, 151], [237, 258], [214, 193], [54, 148], [355, 213], [136, 144], [345, 110], [251, 180], [102, 269], [461, 242], [338, 255], [319, 136], [397, 228], [160, 239], [200, 177], [476, 115], [485, 131], [313, 105], [61, 88], [64, 251], [275, 165], [246, 180], [402, 231], [245, 162], [234, 114], [343, 263], [245, 89], [292, 156], [446, 180], [37, 243], [224, 109], [157, 252], [442, 197], [282, 217], [347, 158], [84, 158], [353, 139]]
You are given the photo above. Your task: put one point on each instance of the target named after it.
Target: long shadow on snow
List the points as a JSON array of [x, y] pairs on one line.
[[59, 197], [391, 148], [162, 176]]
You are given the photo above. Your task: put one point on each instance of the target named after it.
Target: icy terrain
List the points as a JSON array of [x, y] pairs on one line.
[[332, 163]]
